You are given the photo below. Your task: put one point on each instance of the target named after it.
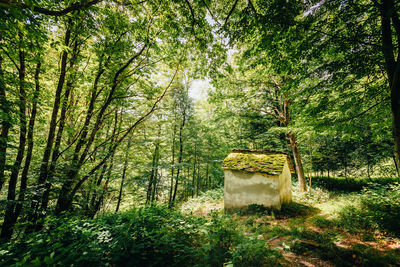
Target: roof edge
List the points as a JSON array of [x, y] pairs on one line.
[[257, 151]]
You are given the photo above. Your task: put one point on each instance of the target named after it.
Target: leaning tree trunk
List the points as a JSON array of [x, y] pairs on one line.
[[61, 125], [5, 125], [43, 173], [65, 202], [6, 230], [28, 158], [297, 160]]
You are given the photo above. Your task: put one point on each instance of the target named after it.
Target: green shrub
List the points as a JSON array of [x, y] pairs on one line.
[[322, 222], [222, 237], [383, 205], [253, 252], [149, 236], [342, 184], [380, 209]]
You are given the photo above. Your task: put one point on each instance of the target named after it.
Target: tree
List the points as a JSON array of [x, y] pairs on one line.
[[364, 36]]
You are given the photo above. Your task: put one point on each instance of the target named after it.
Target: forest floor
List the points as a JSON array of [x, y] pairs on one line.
[[311, 232]]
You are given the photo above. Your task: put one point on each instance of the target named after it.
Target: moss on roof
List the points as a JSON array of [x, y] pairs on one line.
[[268, 162]]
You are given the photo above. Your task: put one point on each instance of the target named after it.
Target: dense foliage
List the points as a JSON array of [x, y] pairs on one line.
[[150, 236], [380, 209]]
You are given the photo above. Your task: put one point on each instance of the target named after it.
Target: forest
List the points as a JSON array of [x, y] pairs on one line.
[[116, 116]]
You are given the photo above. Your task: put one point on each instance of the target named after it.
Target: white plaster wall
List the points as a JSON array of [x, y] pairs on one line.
[[285, 184], [243, 188]]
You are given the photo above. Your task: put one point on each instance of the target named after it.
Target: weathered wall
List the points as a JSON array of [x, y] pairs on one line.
[[244, 188], [285, 184]]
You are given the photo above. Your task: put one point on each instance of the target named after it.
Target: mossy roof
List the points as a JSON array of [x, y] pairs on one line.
[[263, 161]]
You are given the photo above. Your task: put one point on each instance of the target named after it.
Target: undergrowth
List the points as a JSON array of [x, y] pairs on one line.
[[157, 236], [379, 209], [210, 198], [150, 236]]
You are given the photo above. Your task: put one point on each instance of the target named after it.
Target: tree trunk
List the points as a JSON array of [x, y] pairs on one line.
[[395, 104], [180, 155], [172, 165], [96, 191], [5, 125], [61, 125], [155, 181], [123, 173], [28, 158], [194, 172], [53, 124], [104, 189], [6, 230], [395, 164], [152, 175], [389, 15], [311, 164], [65, 200], [208, 179], [298, 162]]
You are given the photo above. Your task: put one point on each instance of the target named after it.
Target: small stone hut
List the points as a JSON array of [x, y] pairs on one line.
[[260, 177]]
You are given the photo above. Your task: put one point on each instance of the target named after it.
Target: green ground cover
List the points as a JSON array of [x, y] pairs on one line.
[[324, 228]]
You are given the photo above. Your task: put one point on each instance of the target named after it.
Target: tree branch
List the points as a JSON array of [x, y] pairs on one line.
[[140, 120], [56, 13], [191, 12], [8, 55], [365, 111], [230, 12], [211, 13], [269, 113]]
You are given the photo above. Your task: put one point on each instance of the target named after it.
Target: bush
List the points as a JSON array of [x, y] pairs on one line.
[[348, 184], [253, 252], [142, 237], [380, 209], [150, 236], [222, 236]]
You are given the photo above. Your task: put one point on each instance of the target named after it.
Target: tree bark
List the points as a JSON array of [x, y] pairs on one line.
[[395, 164], [180, 155], [61, 125], [123, 173], [395, 105], [103, 191], [297, 159], [194, 183], [28, 158], [389, 18], [152, 175], [79, 158], [65, 201], [53, 124], [6, 230], [5, 125], [172, 163], [96, 191]]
